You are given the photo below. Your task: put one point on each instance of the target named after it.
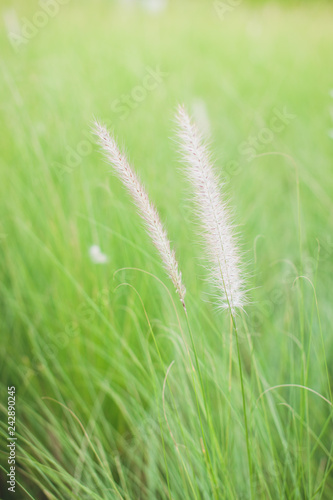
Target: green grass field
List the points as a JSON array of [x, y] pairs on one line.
[[107, 403]]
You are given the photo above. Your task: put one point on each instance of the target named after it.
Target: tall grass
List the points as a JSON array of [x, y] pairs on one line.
[[113, 398]]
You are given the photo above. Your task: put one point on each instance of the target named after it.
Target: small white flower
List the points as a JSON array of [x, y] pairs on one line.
[[97, 256]]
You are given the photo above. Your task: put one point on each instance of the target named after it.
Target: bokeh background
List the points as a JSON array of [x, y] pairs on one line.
[[256, 75]]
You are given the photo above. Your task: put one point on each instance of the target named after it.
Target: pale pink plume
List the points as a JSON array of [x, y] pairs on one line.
[[220, 240], [146, 209]]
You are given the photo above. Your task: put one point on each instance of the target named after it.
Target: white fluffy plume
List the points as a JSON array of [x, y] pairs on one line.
[[221, 243], [146, 209]]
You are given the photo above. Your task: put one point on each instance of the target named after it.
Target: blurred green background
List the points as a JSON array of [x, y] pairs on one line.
[[236, 68]]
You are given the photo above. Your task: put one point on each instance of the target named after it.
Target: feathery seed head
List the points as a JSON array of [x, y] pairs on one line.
[[146, 209], [221, 243]]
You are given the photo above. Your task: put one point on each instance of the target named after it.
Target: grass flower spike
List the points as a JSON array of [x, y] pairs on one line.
[[146, 209], [221, 243]]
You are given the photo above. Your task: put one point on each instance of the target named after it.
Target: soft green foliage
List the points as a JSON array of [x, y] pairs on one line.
[[88, 349]]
